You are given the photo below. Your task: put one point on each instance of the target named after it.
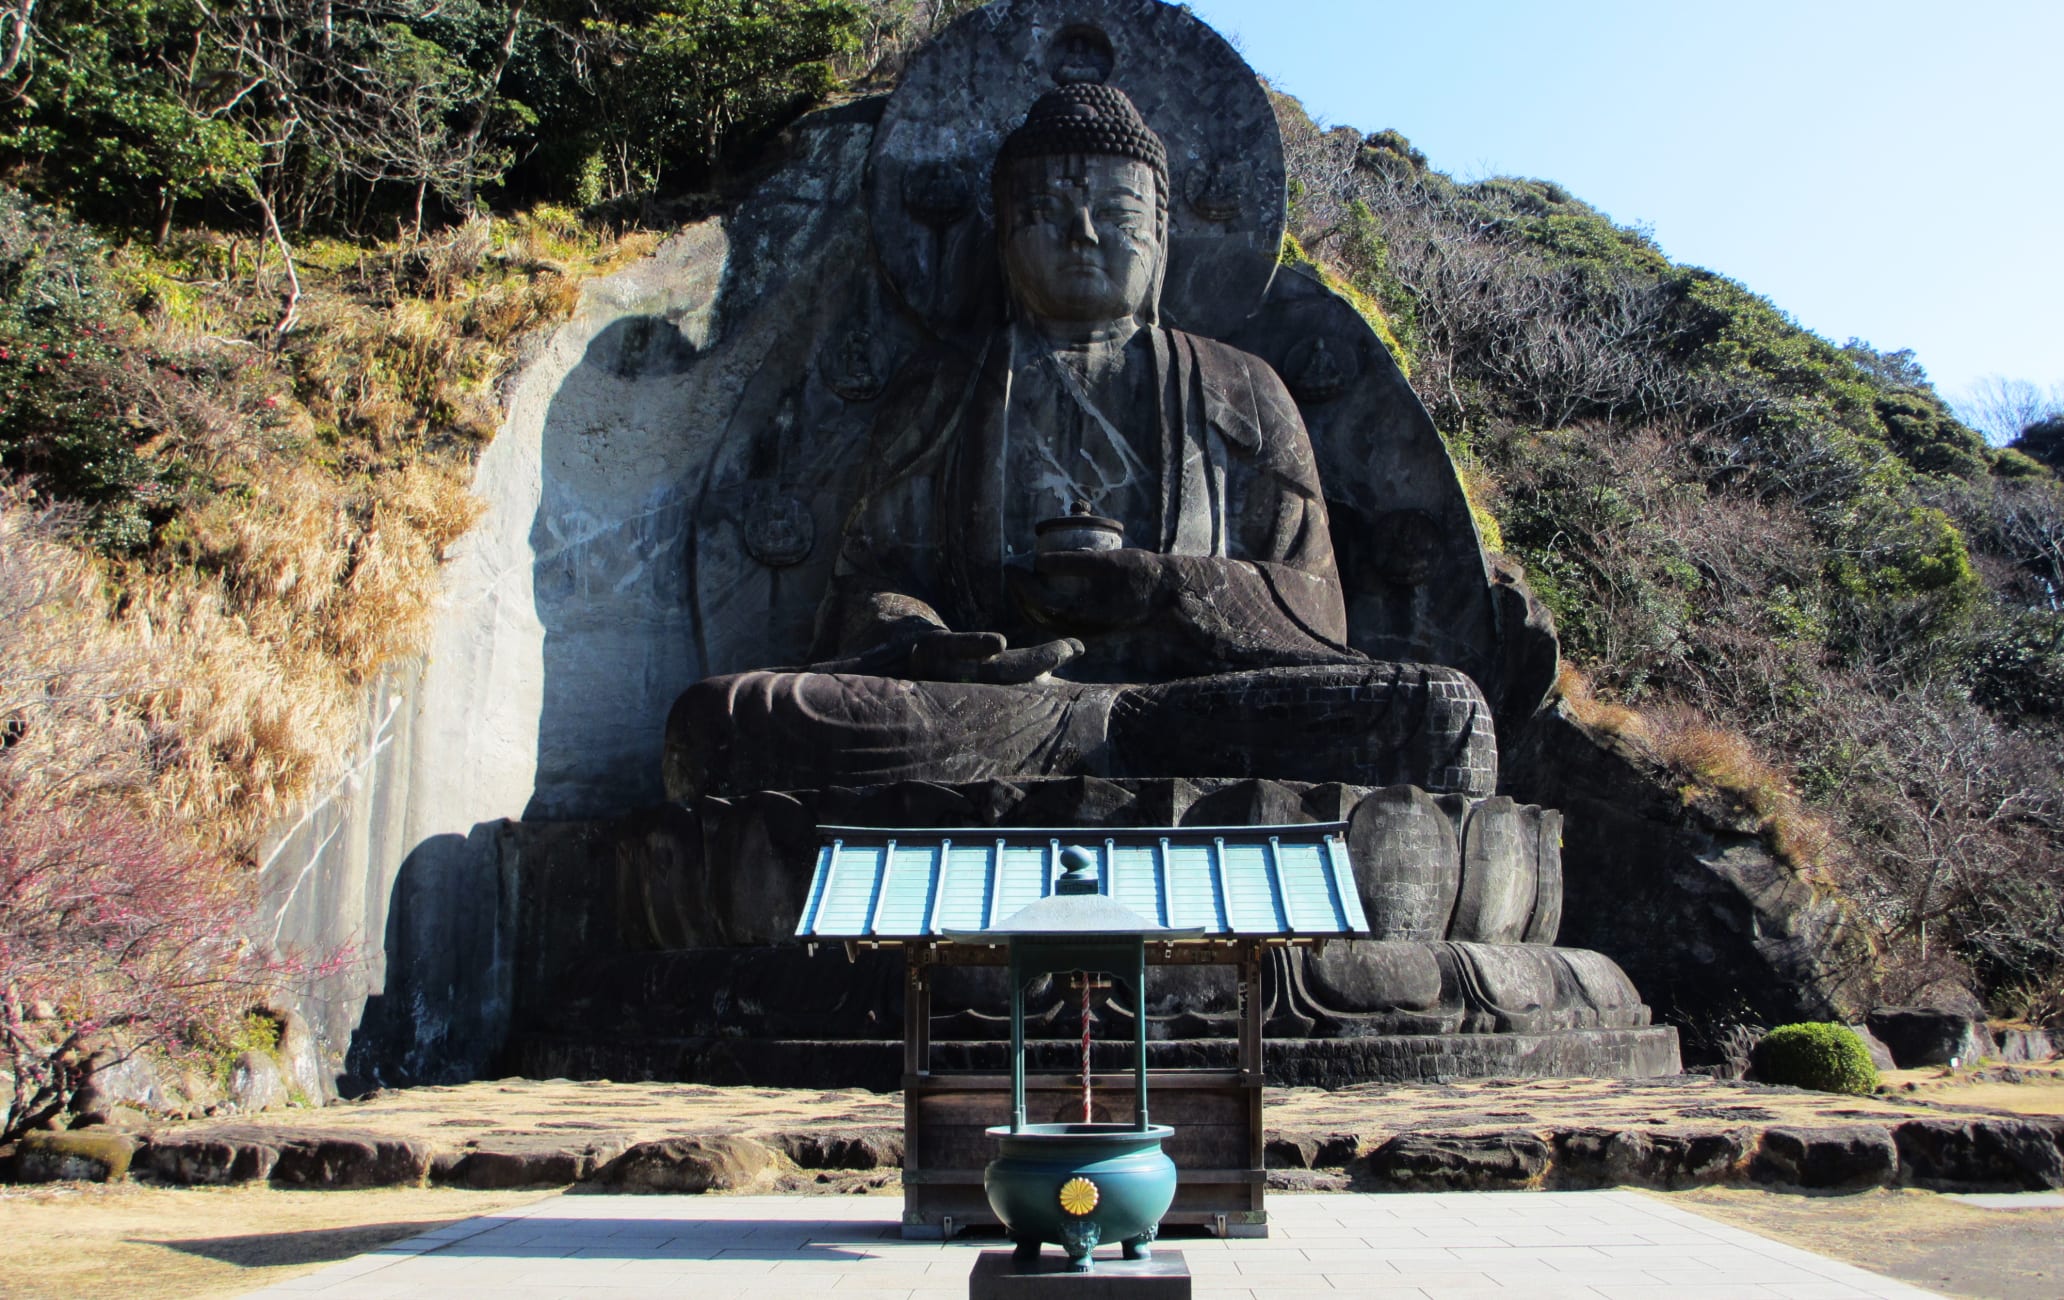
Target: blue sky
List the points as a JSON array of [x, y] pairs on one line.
[[1890, 171]]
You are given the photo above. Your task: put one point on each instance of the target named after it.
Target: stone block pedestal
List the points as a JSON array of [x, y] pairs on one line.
[[660, 946], [997, 1276]]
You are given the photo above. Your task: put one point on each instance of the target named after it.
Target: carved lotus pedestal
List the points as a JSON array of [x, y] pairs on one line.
[[686, 969]]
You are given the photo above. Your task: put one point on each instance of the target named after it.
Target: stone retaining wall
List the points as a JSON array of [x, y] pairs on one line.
[[1950, 1153]]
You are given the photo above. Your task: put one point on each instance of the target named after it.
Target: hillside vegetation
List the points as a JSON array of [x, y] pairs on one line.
[[263, 270], [1781, 563]]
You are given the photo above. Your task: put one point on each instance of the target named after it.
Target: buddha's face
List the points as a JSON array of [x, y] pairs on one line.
[[1080, 241]]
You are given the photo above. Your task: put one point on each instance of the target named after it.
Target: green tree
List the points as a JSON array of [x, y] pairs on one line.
[[673, 88], [120, 99]]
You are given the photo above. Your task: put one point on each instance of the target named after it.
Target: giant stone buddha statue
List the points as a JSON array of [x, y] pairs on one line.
[[1144, 529], [1086, 544]]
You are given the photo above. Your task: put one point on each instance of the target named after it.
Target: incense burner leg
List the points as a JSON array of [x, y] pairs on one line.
[[1079, 1237], [1142, 1246], [1027, 1252]]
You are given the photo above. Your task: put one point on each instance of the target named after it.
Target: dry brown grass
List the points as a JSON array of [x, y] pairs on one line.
[[329, 478], [1725, 764], [1713, 762], [1576, 691], [82, 1239], [70, 673]]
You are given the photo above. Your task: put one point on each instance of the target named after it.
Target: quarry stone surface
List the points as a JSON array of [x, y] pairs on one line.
[[1697, 909], [1473, 1162], [256, 1082], [692, 1164], [568, 620], [91, 1156], [1671, 1160], [1827, 1159]]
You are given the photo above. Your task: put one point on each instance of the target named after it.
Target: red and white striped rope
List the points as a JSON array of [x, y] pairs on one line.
[[1086, 1113]]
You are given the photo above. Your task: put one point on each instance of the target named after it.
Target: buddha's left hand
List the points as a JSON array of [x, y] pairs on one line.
[[1094, 590]]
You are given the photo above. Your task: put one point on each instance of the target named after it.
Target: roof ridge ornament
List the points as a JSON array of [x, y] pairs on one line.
[[1078, 872]]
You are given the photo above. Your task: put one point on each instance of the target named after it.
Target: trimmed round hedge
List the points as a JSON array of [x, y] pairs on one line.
[[1825, 1058]]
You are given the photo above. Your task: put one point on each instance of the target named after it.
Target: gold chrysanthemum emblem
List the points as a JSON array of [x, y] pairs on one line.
[[1078, 1196]]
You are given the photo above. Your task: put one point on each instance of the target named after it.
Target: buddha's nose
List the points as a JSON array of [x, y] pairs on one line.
[[1081, 229]]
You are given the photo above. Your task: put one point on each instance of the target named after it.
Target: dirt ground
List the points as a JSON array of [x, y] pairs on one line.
[[1684, 1100], [1932, 1241], [2040, 1091], [72, 1239]]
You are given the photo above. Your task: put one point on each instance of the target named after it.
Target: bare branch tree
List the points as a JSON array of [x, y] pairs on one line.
[[17, 20], [2003, 409]]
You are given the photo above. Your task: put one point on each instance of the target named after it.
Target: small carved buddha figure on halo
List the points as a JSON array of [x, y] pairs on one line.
[[966, 644]]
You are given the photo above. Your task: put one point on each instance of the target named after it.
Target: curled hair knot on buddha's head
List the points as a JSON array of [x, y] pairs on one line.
[[1087, 119]]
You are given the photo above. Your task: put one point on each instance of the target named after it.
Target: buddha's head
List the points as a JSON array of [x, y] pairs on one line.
[[1082, 208]]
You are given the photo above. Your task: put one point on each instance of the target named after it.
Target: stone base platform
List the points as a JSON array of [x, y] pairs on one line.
[[1687, 1131], [1644, 1053], [659, 946]]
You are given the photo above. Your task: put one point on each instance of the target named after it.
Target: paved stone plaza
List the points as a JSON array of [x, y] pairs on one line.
[[1532, 1245]]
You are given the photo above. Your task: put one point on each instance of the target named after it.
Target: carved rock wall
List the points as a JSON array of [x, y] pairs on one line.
[[663, 505], [567, 621]]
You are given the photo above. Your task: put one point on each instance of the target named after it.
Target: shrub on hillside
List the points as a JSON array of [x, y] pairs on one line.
[[2043, 441], [2018, 663], [353, 115], [1825, 1058], [61, 357], [1921, 429], [128, 414]]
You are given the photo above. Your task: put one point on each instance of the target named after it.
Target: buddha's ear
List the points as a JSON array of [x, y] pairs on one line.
[[1150, 313]]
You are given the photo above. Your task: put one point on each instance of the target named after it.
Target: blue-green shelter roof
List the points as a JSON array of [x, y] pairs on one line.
[[881, 884]]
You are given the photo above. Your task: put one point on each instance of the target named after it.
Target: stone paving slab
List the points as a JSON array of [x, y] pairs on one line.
[[1610, 1245]]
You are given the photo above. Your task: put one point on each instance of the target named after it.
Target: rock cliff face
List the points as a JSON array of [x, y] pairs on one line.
[[567, 622], [1701, 915], [663, 505]]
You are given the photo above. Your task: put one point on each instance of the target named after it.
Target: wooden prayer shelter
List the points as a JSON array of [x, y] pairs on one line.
[[1238, 890]]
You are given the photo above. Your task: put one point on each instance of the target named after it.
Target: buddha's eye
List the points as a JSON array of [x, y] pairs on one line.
[[1124, 215], [1039, 210]]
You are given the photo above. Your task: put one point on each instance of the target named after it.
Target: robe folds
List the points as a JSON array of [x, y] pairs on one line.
[[936, 528], [1241, 670]]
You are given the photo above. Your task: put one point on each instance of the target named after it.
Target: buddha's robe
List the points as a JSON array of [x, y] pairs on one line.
[[1240, 668]]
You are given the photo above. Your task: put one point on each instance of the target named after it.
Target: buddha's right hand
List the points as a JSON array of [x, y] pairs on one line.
[[985, 657]]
